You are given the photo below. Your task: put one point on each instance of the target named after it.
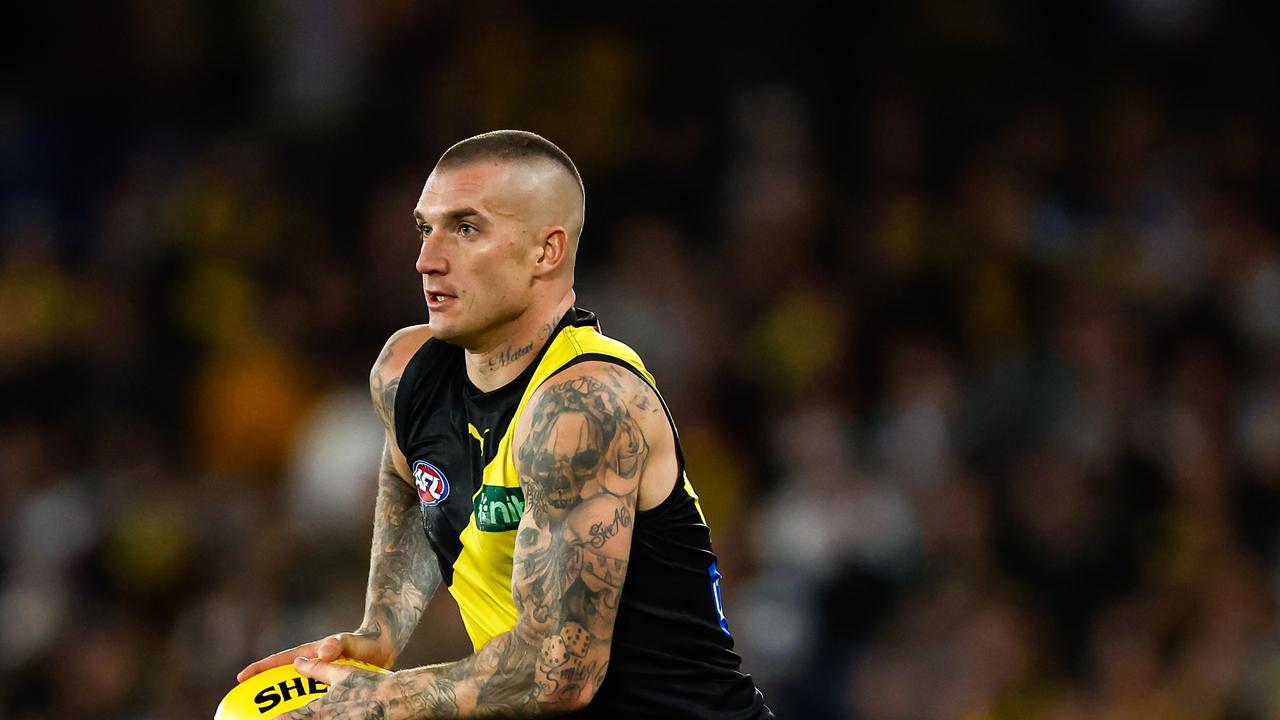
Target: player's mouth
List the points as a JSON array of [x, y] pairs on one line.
[[438, 301]]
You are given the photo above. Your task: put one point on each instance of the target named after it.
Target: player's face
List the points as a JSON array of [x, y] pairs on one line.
[[477, 255]]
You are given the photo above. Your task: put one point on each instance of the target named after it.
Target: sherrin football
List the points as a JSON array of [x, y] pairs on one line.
[[275, 691]]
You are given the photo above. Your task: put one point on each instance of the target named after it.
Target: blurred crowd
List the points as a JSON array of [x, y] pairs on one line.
[[969, 314]]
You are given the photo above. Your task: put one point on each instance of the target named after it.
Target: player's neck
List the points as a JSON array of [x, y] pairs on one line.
[[513, 351]]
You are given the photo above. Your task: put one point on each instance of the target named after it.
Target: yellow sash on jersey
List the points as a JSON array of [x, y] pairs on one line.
[[482, 573]]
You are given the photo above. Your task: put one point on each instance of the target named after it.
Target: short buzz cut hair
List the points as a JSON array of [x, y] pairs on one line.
[[506, 145]]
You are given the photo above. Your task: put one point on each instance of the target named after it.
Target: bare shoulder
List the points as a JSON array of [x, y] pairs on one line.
[[384, 377], [398, 350]]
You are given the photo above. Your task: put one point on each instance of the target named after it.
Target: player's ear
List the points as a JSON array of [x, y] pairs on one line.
[[552, 251]]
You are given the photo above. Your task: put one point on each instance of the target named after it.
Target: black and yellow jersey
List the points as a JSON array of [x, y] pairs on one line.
[[672, 654]]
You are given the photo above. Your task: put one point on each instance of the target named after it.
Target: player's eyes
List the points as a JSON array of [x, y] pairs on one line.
[[466, 229], [424, 230]]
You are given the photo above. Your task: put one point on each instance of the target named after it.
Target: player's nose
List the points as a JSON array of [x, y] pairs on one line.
[[430, 260]]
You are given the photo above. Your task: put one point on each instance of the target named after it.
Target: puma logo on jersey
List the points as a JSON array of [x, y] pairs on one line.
[[477, 434]]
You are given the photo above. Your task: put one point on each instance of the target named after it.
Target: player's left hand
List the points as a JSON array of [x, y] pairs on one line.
[[326, 672], [353, 693]]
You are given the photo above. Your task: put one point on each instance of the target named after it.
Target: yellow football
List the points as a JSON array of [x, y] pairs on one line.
[[275, 691]]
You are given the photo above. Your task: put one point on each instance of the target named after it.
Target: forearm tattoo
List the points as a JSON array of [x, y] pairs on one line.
[[403, 571], [580, 466]]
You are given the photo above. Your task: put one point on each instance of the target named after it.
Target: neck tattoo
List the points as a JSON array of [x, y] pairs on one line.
[[509, 355], [512, 353]]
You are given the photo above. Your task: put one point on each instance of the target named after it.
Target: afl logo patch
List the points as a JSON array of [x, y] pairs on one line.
[[433, 487]]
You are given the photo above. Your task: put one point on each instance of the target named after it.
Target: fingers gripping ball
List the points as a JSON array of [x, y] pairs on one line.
[[275, 691]]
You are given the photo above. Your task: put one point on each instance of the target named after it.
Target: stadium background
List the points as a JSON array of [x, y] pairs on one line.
[[969, 312]]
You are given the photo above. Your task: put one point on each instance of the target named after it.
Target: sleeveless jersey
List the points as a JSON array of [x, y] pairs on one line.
[[672, 653]]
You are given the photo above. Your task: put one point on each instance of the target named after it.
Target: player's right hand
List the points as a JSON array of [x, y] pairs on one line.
[[362, 645]]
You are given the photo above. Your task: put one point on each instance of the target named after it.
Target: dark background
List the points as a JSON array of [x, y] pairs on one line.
[[969, 313]]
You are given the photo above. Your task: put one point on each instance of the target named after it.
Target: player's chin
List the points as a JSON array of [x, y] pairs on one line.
[[445, 326], [441, 328]]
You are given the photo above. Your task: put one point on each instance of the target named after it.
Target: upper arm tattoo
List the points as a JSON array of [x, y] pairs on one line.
[[382, 388]]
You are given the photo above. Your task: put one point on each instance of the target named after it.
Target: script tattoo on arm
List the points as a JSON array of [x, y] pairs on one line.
[[580, 459]]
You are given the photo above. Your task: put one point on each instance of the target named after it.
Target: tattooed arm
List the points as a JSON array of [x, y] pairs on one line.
[[581, 449], [403, 573]]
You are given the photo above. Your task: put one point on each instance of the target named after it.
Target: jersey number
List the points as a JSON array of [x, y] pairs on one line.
[[715, 594]]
